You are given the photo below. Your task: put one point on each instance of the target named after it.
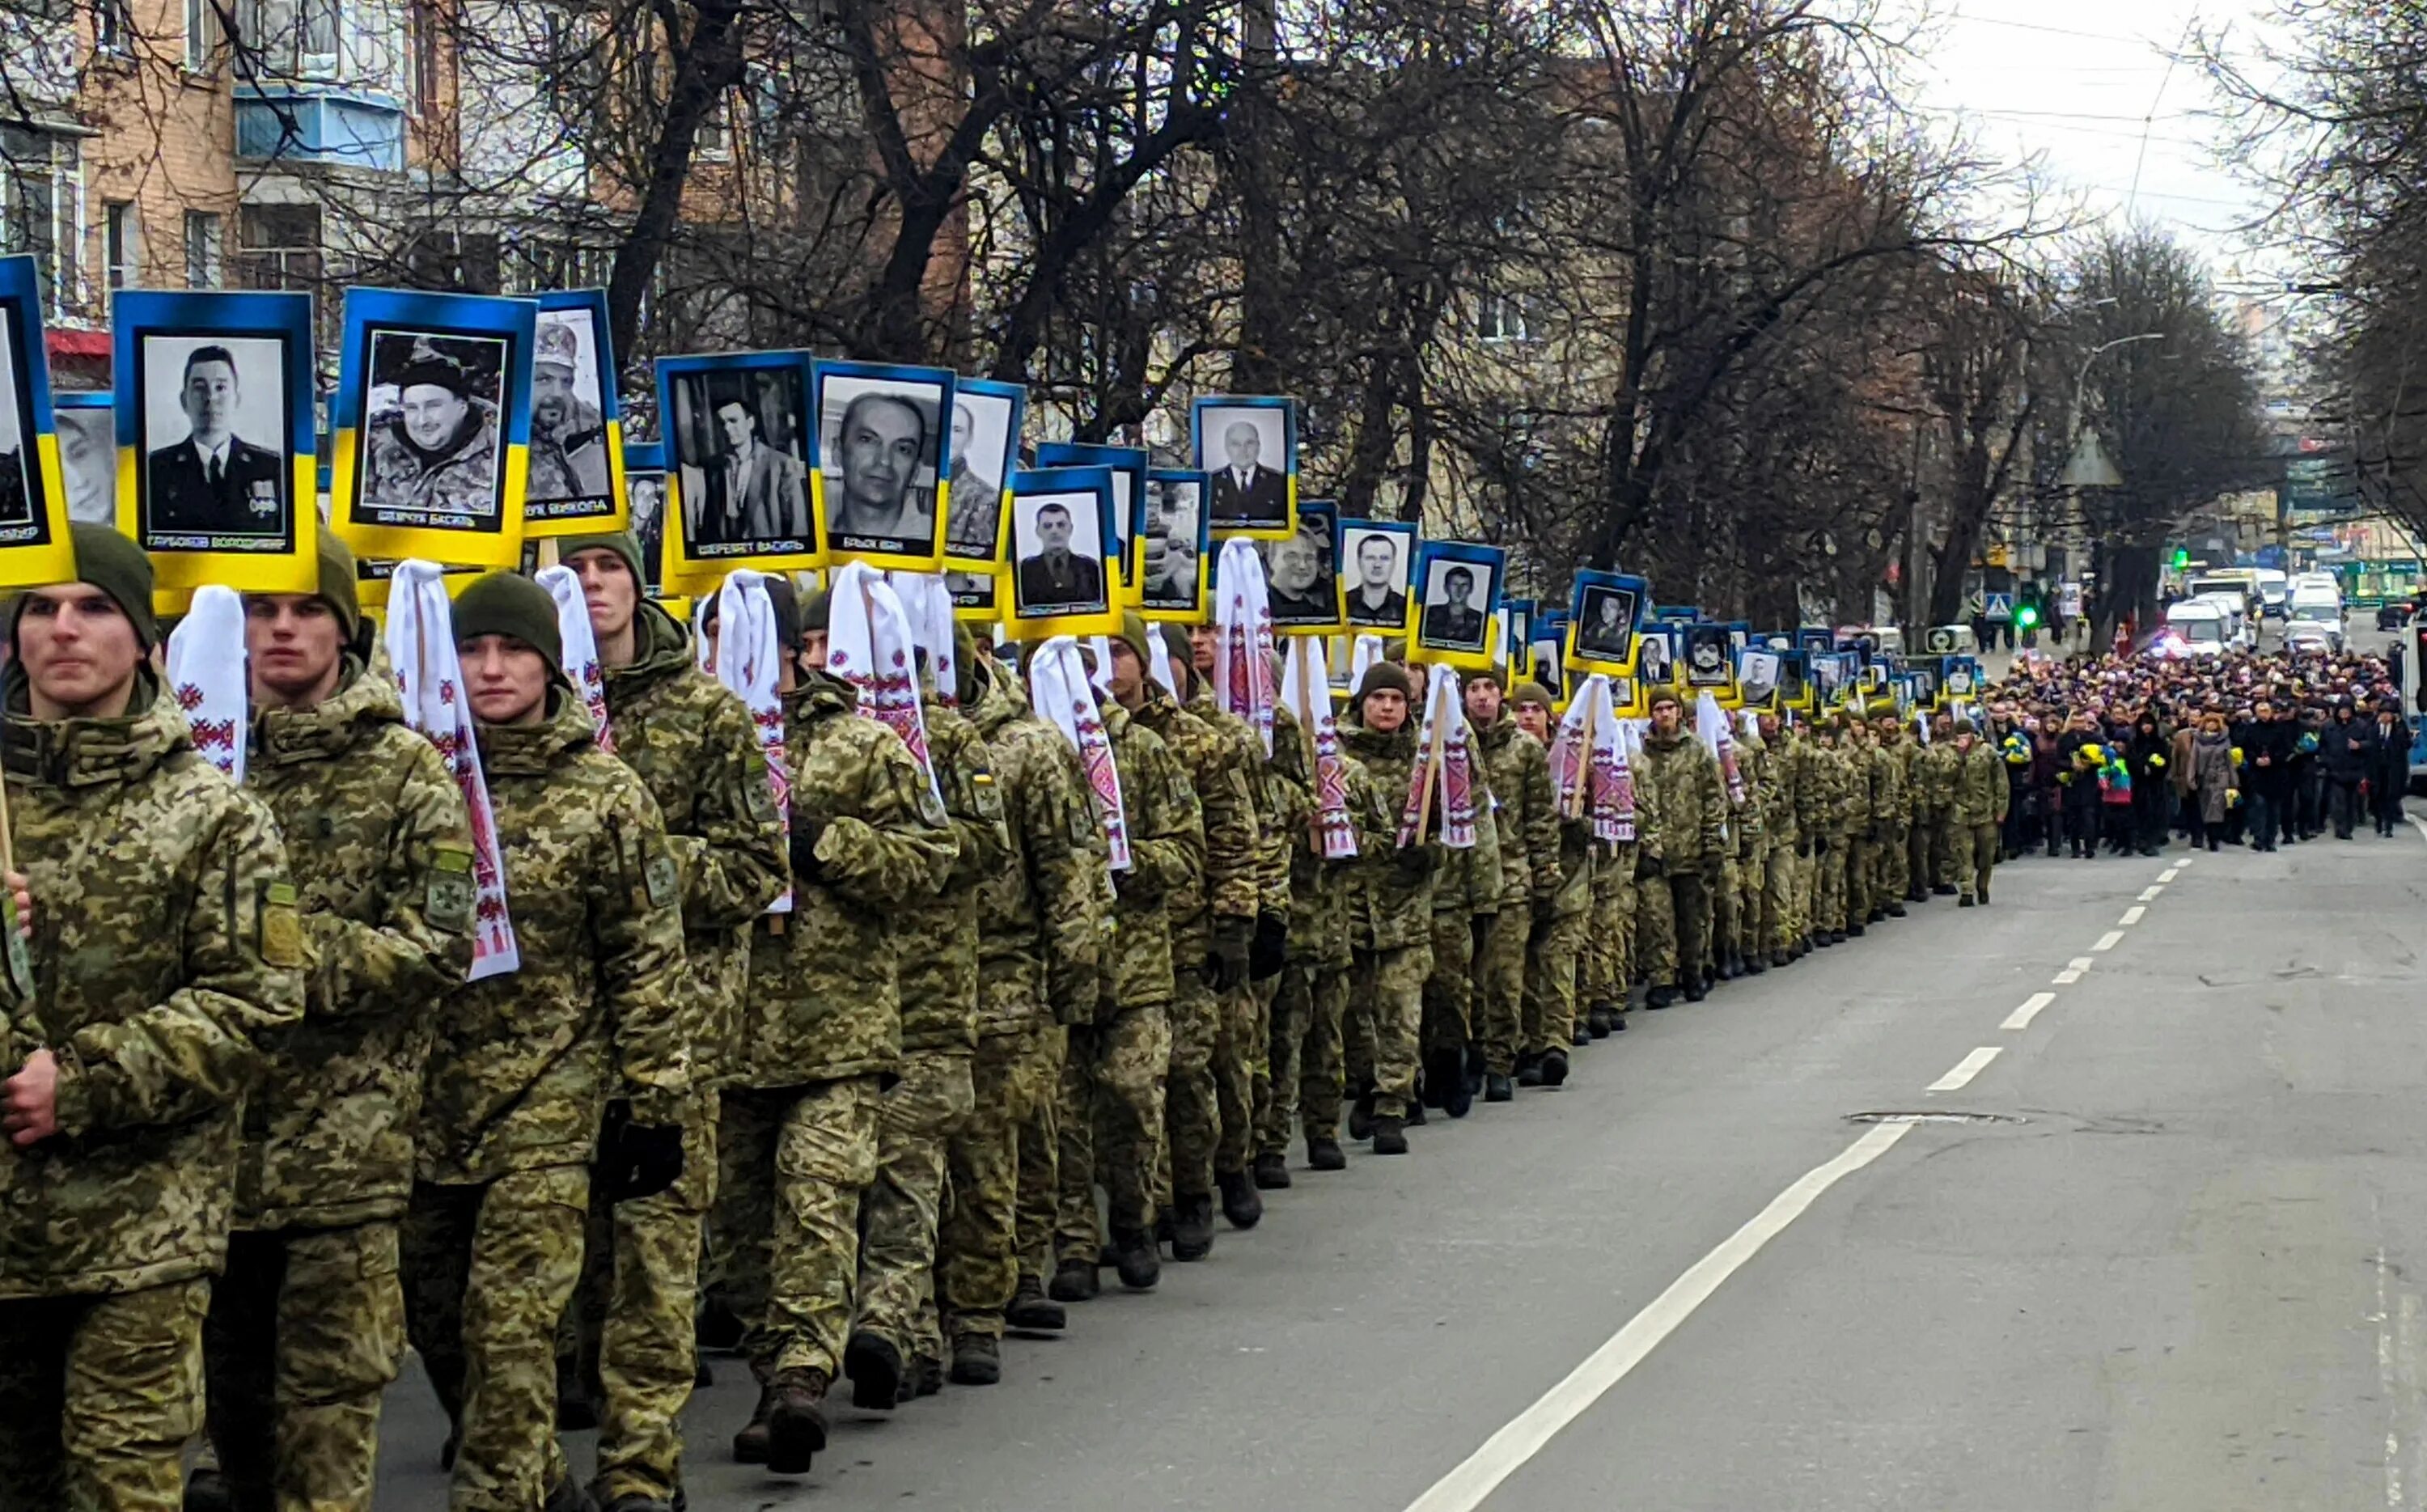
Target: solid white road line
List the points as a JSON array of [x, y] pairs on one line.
[[2021, 1018], [2149, 895], [1465, 1489], [2132, 915], [1967, 1069], [2108, 940]]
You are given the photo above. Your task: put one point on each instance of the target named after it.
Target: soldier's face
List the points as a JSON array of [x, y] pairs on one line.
[[606, 589], [1534, 720], [961, 429], [1482, 700], [880, 451], [291, 643], [1200, 648], [1241, 444], [79, 650], [1129, 673], [1054, 529], [552, 393], [1385, 709], [506, 680], [1665, 716], [432, 412], [208, 400], [1375, 559]]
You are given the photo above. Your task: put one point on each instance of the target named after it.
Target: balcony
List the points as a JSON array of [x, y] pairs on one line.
[[309, 123]]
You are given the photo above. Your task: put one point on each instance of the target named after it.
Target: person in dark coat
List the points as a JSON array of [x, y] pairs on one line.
[[2149, 754], [2214, 782], [2346, 752], [2048, 765], [2388, 777], [2077, 772], [2266, 772]]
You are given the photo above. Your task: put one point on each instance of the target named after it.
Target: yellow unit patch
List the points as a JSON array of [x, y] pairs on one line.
[[282, 926]]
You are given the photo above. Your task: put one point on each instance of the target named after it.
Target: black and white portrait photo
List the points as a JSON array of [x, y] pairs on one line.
[[1377, 564], [88, 460], [738, 437], [1457, 606], [1549, 653], [1169, 537], [1794, 688], [1708, 657], [1058, 551], [214, 422], [1606, 630], [1245, 450], [1757, 674], [974, 590], [569, 474], [1656, 663], [433, 445], [1300, 580], [646, 489], [880, 441], [986, 446], [1960, 678], [17, 506]]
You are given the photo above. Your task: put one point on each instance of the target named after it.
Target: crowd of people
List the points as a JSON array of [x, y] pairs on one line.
[[837, 1079]]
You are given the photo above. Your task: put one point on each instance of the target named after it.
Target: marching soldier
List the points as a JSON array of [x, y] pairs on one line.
[[1775, 865], [1673, 911], [1560, 920], [1979, 812], [1390, 919], [1932, 769], [1514, 1037], [1891, 815]]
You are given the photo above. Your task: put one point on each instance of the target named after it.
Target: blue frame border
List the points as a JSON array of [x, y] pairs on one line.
[[1065, 480], [1017, 395]]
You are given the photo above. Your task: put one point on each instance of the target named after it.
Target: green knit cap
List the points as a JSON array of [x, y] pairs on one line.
[[510, 604], [340, 584], [619, 541], [118, 567]]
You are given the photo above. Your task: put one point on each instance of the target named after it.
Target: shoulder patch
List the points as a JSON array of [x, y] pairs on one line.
[[282, 926], [450, 892], [758, 794], [931, 808], [990, 797], [664, 884]]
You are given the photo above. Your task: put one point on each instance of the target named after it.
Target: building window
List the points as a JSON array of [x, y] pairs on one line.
[[1502, 317], [278, 247], [201, 34], [204, 246], [291, 39], [715, 143], [421, 57], [113, 29], [42, 206], [122, 244]]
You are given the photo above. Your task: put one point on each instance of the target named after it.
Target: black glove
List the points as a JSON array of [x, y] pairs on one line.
[[1226, 963], [1133, 886], [1269, 951], [1546, 910], [642, 1160], [1803, 848], [1820, 845], [1413, 862], [1713, 869], [1648, 866], [807, 829]]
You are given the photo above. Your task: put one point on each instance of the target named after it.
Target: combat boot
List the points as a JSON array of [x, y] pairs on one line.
[[1964, 902], [208, 1491], [1271, 1172], [1325, 1154], [795, 1405], [1140, 1263], [1555, 1067], [924, 1377], [639, 1501], [1598, 1020], [1191, 1227], [1361, 1115], [1030, 1309], [1896, 910], [1696, 989], [1444, 1077], [1241, 1205], [1582, 1035], [1530, 1070], [1780, 960], [1390, 1135], [564, 1496], [750, 1445], [1498, 1088], [1942, 889], [977, 1360], [1660, 997], [875, 1369], [1461, 1097], [1074, 1280]]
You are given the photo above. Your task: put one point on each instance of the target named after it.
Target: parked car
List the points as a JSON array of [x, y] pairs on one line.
[[2302, 637], [2393, 616]]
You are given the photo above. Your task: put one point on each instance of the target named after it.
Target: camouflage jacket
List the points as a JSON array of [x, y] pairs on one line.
[[825, 999], [1271, 873], [1167, 852], [1321, 889], [1981, 790], [462, 479], [938, 935], [1528, 824], [1044, 917], [1778, 794], [692, 740], [1851, 788], [526, 1062], [1387, 908], [1748, 831], [1227, 887], [382, 853], [1471, 880], [1692, 796], [1933, 771], [1891, 802], [166, 951]]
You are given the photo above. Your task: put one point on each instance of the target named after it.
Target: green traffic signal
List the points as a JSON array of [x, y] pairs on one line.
[[2028, 615], [2182, 557]]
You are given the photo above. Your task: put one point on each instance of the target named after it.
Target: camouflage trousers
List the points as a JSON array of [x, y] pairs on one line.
[[98, 1398], [1309, 1010], [1672, 924], [1240, 1045], [305, 1330], [1607, 958], [1923, 846], [1782, 909], [1719, 900], [1753, 901], [916, 1120], [1975, 855], [978, 1250], [1889, 880], [1551, 980], [632, 1325], [1266, 1083], [1386, 1012], [1497, 1015], [1038, 1207], [488, 1270], [1111, 1126], [1448, 1020], [793, 1166], [1829, 889], [1807, 901], [1192, 1119]]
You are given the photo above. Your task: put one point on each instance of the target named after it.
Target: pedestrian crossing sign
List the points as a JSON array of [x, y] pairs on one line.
[[2000, 608]]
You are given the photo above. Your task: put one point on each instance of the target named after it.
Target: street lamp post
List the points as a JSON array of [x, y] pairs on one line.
[[2086, 464]]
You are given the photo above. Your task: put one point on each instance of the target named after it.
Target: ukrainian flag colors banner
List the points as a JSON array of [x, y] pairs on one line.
[[34, 544]]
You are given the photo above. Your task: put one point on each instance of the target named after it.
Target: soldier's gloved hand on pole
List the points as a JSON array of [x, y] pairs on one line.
[[1413, 862], [1269, 951], [1647, 866], [807, 830], [1226, 963], [643, 1160]]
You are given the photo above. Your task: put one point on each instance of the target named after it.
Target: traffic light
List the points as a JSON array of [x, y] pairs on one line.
[[2027, 616], [2182, 557]]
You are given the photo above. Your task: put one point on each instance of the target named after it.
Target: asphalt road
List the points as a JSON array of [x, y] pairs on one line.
[[2178, 1263]]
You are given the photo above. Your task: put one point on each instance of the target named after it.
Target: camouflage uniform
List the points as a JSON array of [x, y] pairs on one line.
[[1111, 1114], [1390, 915], [520, 1079], [1041, 932], [692, 742], [1551, 956], [307, 1325], [924, 1111], [1673, 911], [1977, 812], [1931, 862], [1508, 994], [1748, 850], [820, 1029], [1241, 1056], [1224, 897], [462, 479], [167, 954], [1467, 888], [1824, 816], [1783, 923], [1890, 822]]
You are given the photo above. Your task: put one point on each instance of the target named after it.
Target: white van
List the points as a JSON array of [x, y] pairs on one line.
[[2322, 607], [2204, 625], [2274, 593]]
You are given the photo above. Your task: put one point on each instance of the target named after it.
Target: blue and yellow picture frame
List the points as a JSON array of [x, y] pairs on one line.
[[1402, 537], [1322, 610], [460, 364], [1128, 465], [772, 390], [83, 421], [1009, 401], [1266, 507], [246, 360], [34, 546], [1187, 600], [1586, 650], [1452, 635], [570, 313], [1029, 614], [914, 539]]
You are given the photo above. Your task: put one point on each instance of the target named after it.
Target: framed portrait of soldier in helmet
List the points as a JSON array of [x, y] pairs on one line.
[[880, 455], [574, 480], [433, 427], [983, 441]]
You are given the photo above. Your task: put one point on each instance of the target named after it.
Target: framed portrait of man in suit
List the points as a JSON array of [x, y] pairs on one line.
[[644, 493], [736, 437], [433, 427], [1301, 574], [1548, 647], [574, 483], [881, 452], [214, 402], [1459, 588], [1174, 546], [1128, 465], [1064, 580], [88, 456], [984, 444], [1246, 447], [1655, 654], [1377, 567]]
